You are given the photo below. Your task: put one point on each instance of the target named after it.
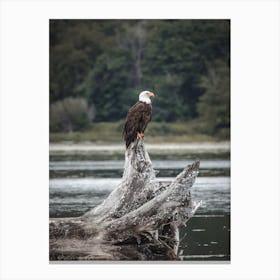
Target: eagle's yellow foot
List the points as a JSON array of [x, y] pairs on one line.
[[140, 135]]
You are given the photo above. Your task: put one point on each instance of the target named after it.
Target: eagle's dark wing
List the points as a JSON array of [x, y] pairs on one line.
[[136, 121]]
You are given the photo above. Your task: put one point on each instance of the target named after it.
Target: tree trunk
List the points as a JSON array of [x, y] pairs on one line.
[[139, 220]]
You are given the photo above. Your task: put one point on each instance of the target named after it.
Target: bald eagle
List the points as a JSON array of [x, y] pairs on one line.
[[138, 118]]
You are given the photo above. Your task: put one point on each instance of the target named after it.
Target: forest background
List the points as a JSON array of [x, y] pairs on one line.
[[98, 68]]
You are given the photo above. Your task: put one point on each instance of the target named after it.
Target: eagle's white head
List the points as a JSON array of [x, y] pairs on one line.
[[144, 96]]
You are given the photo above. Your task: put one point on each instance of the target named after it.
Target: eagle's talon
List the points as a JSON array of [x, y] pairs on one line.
[[139, 135]]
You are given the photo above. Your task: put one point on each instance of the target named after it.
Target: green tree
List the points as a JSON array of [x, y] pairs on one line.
[[108, 85], [70, 114], [181, 48], [214, 104], [108, 62], [74, 47]]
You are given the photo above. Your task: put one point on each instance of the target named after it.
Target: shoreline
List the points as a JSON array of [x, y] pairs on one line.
[[223, 146]]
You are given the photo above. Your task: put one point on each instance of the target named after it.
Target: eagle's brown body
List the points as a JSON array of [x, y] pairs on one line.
[[136, 121]]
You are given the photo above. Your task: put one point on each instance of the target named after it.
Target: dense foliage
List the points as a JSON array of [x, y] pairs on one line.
[[104, 64]]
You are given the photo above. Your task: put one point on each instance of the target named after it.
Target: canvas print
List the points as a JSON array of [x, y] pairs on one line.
[[139, 154]]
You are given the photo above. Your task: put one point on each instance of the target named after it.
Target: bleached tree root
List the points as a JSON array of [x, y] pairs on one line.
[[139, 220]]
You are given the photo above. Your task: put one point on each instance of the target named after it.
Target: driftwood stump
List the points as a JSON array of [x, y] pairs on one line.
[[139, 220]]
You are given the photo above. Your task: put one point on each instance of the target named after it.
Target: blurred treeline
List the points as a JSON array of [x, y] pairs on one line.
[[98, 68]]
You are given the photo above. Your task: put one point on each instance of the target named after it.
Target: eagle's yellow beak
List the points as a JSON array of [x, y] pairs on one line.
[[150, 94]]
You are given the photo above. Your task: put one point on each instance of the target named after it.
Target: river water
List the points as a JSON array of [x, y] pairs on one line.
[[81, 181]]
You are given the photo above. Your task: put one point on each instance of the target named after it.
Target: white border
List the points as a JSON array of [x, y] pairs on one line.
[[255, 138]]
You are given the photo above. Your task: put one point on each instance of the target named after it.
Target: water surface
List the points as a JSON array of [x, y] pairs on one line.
[[80, 182]]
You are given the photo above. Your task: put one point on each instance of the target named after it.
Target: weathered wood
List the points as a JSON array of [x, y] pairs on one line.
[[139, 220]]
